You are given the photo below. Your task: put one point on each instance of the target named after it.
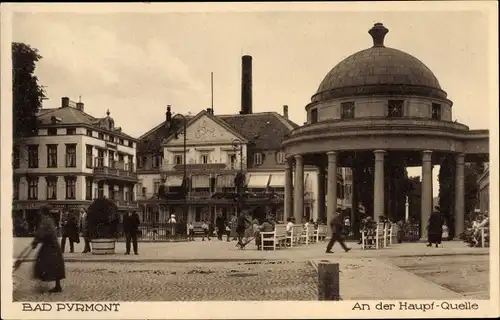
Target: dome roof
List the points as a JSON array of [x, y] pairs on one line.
[[379, 70]]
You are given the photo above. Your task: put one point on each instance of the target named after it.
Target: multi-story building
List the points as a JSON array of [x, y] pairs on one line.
[[211, 152], [484, 189], [73, 159]]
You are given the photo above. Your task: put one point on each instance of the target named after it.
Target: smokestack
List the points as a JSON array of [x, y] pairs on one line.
[[285, 111], [246, 85]]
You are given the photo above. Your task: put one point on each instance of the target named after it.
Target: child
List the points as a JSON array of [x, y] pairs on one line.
[[228, 231], [190, 230], [206, 232]]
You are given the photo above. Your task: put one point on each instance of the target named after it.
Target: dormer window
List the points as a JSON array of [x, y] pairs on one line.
[[314, 115], [395, 108], [436, 111], [347, 110], [257, 159]]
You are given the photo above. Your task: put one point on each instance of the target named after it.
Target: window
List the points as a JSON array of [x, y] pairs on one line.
[[130, 144], [15, 191], [15, 157], [257, 159], [156, 186], [70, 187], [395, 108], [280, 157], [156, 161], [436, 111], [70, 131], [100, 135], [120, 157], [232, 161], [52, 156], [33, 189], [140, 163], [347, 110], [89, 132], [314, 115], [121, 141], [100, 158], [88, 188], [100, 190], [111, 138], [51, 188], [204, 158], [178, 159], [138, 190], [33, 156], [70, 155], [52, 131], [130, 163], [89, 149], [111, 159]]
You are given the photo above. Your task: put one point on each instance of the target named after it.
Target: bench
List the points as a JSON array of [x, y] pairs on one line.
[[373, 238], [320, 233], [390, 232], [273, 239], [297, 232], [485, 237], [293, 235], [307, 234]]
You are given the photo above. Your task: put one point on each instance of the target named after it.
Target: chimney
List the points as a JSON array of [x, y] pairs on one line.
[[79, 106], [64, 102], [246, 85], [285, 111], [168, 117]]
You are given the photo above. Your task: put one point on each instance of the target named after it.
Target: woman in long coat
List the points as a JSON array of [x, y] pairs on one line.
[[49, 265], [435, 228]]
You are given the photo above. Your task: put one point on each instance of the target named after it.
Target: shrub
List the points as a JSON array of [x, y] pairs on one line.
[[103, 219]]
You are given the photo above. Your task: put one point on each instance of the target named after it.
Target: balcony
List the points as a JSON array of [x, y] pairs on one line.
[[126, 204], [204, 167], [115, 170]]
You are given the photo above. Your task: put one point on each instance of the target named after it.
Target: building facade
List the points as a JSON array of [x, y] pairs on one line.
[[484, 189], [73, 159]]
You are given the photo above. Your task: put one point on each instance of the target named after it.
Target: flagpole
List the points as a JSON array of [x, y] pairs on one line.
[[212, 89]]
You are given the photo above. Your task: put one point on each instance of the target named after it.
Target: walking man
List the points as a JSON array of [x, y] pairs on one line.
[[220, 225], [85, 231], [336, 225], [130, 226], [69, 231]]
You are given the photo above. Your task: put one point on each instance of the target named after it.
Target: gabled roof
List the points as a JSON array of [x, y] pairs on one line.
[[73, 116], [265, 129], [217, 120]]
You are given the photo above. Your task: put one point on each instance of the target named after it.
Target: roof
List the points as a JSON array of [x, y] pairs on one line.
[[73, 116], [378, 66], [266, 130]]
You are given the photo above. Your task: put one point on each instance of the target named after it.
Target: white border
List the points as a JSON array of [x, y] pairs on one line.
[[214, 310]]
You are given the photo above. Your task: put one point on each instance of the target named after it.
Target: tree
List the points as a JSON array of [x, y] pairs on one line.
[[27, 94]]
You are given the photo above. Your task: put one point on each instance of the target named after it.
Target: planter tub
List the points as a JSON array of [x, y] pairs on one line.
[[103, 246]]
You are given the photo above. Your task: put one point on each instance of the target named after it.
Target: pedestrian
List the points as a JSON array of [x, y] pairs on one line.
[[233, 224], [130, 227], [172, 223], [69, 231], [85, 231], [190, 231], [49, 265], [241, 226], [435, 228], [336, 226], [206, 231], [220, 225], [228, 231]]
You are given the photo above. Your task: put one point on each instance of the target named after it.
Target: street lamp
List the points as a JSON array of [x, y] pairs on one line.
[[184, 162], [239, 179]]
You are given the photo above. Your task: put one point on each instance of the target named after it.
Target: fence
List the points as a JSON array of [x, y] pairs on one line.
[[159, 232], [411, 232]]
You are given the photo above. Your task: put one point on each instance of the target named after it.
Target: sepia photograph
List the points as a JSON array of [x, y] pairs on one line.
[[228, 154]]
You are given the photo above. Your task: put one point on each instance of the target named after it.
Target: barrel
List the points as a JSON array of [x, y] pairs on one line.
[[103, 246]]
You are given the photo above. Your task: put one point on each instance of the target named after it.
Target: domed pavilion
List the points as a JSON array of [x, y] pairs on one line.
[[383, 106]]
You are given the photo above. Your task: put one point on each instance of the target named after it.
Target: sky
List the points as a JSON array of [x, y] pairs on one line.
[[135, 64]]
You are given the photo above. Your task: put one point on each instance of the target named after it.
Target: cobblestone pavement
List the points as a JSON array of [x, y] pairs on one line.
[[468, 275], [259, 280]]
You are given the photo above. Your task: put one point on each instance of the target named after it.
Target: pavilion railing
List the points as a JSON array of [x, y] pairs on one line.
[[158, 231]]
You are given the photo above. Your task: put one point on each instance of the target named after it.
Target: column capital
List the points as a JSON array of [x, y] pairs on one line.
[[379, 154], [332, 156], [297, 157], [331, 153], [460, 158], [427, 155]]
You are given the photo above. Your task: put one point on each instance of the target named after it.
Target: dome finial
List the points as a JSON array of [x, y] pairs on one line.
[[108, 113], [378, 33]]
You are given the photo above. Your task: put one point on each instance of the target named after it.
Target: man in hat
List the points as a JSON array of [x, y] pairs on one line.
[[130, 227], [336, 226]]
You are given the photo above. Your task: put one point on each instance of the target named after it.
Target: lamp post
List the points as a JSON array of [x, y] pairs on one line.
[[184, 162], [237, 144]]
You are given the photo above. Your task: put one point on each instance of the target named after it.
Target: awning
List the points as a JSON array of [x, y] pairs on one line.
[[200, 181], [225, 181], [277, 181], [174, 181], [258, 181]]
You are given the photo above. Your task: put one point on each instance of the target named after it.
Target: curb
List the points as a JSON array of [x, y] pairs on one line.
[[74, 260]]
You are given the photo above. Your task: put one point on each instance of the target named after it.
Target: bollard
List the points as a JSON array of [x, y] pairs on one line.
[[328, 282]]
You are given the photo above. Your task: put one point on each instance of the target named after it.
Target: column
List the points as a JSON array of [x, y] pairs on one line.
[[288, 206], [355, 220], [426, 192], [321, 194], [459, 195], [298, 208], [378, 186], [331, 198]]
